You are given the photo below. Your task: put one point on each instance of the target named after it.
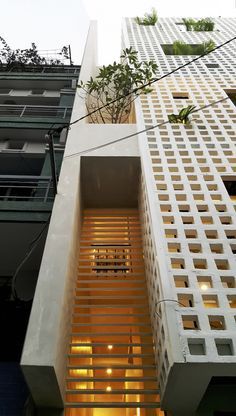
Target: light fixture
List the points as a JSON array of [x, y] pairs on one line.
[[204, 287], [108, 388], [109, 371], [110, 347]]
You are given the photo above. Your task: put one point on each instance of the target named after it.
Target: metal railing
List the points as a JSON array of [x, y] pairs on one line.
[[43, 69], [26, 188], [34, 111]]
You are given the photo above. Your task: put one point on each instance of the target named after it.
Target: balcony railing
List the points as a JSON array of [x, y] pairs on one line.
[[22, 111], [42, 69], [26, 188]]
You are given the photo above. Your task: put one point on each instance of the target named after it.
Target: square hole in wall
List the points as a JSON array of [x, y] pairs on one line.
[[226, 220], [200, 263], [190, 322], [184, 208], [181, 281], [230, 234], [210, 301], [197, 346], [165, 208], [177, 263], [202, 208], [217, 323], [190, 233], [185, 300], [170, 233], [222, 264], [174, 247], [224, 346], [187, 220], [233, 248], [168, 219], [228, 281], [207, 220], [232, 301], [195, 248], [216, 248], [180, 95], [221, 208], [211, 234], [204, 282]]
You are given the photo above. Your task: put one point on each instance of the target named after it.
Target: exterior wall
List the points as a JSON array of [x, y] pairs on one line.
[[188, 216]]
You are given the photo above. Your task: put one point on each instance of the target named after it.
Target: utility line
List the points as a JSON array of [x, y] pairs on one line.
[[140, 131], [153, 81], [32, 245], [122, 138]]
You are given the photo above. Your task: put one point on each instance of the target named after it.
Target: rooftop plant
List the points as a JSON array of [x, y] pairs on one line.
[[17, 58], [202, 25], [113, 88], [182, 48], [149, 19], [183, 116]]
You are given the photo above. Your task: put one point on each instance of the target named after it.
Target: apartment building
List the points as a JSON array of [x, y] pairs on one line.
[[134, 309], [32, 99]]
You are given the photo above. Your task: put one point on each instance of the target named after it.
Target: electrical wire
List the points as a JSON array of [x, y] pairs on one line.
[[32, 245], [140, 131], [148, 84], [168, 300]]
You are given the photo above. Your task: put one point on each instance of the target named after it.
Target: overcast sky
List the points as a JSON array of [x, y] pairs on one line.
[[54, 23]]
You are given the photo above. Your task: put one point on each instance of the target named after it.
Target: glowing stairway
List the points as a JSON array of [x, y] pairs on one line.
[[110, 361]]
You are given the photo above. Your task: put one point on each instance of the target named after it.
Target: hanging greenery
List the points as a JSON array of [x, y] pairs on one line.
[[149, 19], [183, 116], [113, 88]]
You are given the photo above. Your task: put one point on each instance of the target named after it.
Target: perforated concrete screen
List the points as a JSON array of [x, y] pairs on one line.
[[192, 262]]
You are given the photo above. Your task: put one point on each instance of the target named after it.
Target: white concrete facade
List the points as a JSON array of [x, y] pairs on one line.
[[189, 218]]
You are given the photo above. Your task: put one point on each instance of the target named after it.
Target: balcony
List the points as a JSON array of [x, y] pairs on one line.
[[42, 69], [28, 197], [14, 112]]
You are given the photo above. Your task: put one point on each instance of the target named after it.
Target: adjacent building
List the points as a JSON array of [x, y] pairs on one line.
[[134, 312], [32, 100]]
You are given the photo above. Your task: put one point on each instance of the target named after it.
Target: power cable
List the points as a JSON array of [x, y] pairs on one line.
[[153, 81], [140, 131], [32, 245], [59, 129]]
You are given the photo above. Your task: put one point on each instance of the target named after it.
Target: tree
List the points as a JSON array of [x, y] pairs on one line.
[[113, 87], [18, 58]]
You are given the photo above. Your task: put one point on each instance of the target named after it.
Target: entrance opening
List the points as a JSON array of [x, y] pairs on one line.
[[111, 368]]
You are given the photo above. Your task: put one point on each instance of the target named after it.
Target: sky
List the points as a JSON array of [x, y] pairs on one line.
[[52, 24]]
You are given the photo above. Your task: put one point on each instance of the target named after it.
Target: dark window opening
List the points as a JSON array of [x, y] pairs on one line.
[[180, 95], [212, 65], [232, 95]]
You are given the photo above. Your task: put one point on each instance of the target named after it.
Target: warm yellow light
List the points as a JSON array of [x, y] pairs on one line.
[[110, 347], [108, 388], [204, 287], [109, 371]]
